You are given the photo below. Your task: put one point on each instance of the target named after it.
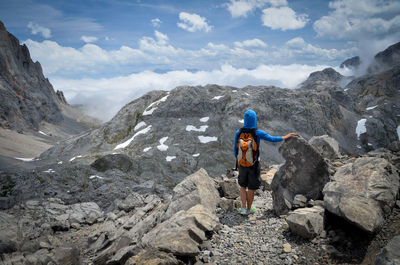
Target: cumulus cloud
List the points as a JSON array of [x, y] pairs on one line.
[[239, 8], [298, 46], [193, 22], [360, 19], [88, 39], [283, 18], [251, 43], [37, 29], [157, 53], [104, 97], [156, 22]]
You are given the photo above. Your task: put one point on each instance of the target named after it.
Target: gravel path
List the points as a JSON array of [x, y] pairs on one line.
[[254, 239]]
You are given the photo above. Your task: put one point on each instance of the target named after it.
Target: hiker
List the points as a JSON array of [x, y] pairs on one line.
[[246, 150]]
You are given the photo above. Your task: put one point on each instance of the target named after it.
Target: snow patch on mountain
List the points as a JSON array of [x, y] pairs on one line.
[[162, 147], [207, 139], [202, 128], [126, 143]]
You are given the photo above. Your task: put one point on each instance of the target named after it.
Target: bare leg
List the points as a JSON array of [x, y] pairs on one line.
[[243, 196], [250, 198]]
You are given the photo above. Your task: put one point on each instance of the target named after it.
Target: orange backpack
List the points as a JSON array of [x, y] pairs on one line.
[[247, 149]]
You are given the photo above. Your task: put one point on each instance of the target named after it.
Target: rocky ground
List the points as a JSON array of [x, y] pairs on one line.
[[264, 238]]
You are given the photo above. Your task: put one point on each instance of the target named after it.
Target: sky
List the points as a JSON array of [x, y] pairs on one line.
[[104, 53]]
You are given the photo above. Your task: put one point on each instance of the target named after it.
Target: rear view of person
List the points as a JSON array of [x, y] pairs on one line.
[[246, 151]]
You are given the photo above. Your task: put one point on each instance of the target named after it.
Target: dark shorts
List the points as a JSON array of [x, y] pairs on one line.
[[249, 177]]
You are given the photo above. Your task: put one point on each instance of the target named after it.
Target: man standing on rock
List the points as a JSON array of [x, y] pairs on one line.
[[246, 150]]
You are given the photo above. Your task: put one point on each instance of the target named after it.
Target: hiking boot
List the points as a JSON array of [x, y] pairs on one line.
[[252, 210], [243, 211]]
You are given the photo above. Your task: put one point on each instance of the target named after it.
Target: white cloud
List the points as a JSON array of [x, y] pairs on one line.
[[193, 22], [155, 52], [251, 43], [156, 22], [88, 39], [162, 39], [360, 19], [298, 46], [283, 18], [239, 8], [36, 29], [104, 97]]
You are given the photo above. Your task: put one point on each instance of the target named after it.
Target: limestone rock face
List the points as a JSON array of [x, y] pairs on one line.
[[197, 188], [307, 222], [304, 172], [363, 191], [26, 96], [183, 232], [326, 146]]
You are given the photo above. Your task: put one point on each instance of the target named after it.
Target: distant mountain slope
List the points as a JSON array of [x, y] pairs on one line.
[[29, 104], [174, 133], [26, 97]]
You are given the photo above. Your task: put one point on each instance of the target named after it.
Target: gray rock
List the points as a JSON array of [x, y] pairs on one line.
[[9, 236], [153, 256], [229, 205], [183, 232], [197, 188], [113, 161], [326, 146], [131, 202], [306, 222], [230, 188], [361, 191], [389, 255], [267, 177], [304, 172], [68, 255], [299, 201]]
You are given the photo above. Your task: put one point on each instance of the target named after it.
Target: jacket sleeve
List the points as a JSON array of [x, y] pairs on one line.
[[265, 136], [234, 143]]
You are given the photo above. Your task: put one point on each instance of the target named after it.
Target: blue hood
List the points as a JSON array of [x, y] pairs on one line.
[[250, 119]]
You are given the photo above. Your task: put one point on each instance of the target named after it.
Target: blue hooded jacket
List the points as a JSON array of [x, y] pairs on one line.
[[250, 122]]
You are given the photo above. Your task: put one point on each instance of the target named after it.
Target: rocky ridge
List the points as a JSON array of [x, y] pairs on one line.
[[198, 223]]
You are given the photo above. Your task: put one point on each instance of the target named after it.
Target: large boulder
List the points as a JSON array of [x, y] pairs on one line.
[[230, 188], [363, 191], [183, 232], [307, 222], [304, 172], [326, 146], [9, 239], [113, 161], [197, 188], [390, 254]]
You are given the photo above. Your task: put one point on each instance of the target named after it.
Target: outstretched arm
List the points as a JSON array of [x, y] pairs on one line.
[[287, 136]]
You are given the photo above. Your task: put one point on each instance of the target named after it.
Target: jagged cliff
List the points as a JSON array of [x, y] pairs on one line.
[[26, 97]]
